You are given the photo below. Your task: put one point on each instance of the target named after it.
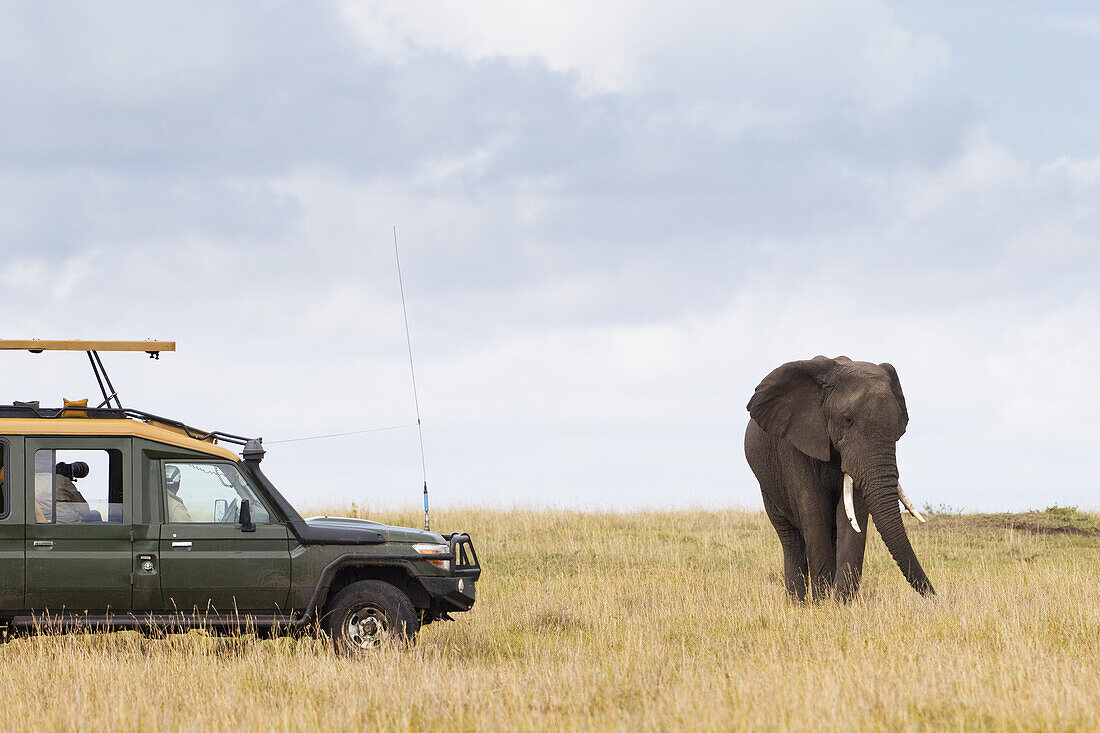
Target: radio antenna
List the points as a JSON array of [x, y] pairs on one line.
[[412, 373]]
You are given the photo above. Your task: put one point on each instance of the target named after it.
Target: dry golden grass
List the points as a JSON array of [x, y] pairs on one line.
[[653, 621]]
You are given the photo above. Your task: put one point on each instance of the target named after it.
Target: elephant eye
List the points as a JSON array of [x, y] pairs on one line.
[[848, 422]]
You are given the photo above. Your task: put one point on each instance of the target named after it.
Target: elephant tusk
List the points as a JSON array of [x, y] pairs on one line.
[[849, 502], [909, 505]]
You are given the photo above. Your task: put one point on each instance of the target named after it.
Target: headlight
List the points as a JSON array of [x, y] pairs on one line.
[[433, 549]]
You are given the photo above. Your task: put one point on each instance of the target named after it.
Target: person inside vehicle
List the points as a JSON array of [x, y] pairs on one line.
[[177, 510], [72, 507]]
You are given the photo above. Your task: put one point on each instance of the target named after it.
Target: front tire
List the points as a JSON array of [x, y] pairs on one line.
[[367, 614]]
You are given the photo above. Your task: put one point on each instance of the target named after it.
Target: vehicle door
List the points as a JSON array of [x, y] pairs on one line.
[[209, 561], [79, 502], [12, 533]]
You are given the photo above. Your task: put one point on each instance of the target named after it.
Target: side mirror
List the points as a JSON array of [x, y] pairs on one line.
[[221, 507], [246, 517]]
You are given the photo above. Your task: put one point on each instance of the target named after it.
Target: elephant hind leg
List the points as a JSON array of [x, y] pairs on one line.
[[794, 553]]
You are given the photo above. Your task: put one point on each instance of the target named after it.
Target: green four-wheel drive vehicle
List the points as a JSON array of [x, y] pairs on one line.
[[116, 518]]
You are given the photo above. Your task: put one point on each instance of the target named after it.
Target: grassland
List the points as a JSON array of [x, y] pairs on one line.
[[652, 621]]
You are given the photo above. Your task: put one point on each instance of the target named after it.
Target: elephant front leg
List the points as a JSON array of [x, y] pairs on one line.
[[794, 567], [794, 553], [821, 556], [850, 548]]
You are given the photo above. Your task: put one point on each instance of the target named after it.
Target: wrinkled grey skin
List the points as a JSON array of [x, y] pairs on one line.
[[811, 422]]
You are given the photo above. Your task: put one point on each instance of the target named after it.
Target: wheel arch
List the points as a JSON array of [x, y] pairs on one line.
[[396, 576]]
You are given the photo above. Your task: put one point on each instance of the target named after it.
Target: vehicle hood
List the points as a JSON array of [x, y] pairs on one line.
[[391, 533]]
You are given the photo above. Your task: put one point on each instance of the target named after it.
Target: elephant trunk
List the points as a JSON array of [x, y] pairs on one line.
[[881, 494]]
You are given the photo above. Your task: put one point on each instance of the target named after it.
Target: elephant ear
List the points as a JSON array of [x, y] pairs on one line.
[[788, 405], [895, 387]]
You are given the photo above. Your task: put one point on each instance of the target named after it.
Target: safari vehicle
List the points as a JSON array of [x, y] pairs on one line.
[[116, 518]]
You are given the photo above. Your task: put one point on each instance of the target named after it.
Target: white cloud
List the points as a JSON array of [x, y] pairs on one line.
[[593, 40], [785, 54], [982, 173], [1081, 172]]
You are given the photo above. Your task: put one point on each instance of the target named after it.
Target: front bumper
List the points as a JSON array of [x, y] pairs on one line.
[[450, 595]]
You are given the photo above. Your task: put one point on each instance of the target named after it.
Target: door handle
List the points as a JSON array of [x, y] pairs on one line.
[[180, 545], [43, 543]]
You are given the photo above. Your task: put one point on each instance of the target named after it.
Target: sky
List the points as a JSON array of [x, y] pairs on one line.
[[614, 220]]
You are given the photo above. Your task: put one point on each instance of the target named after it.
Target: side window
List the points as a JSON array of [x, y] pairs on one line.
[[3, 479], [78, 486], [208, 492]]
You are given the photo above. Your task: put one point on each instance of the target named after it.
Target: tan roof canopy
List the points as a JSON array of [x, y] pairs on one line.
[[78, 345]]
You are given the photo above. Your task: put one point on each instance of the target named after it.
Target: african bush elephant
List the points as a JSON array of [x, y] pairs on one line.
[[821, 441]]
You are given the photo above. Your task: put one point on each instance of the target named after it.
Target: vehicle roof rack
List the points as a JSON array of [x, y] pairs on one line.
[[110, 395], [92, 348]]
